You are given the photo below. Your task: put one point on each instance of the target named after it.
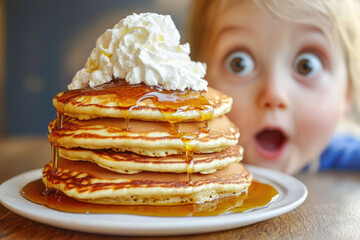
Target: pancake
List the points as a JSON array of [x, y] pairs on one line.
[[130, 163], [85, 181], [144, 138], [147, 103]]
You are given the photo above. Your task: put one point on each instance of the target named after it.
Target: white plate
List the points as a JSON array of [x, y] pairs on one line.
[[292, 194]]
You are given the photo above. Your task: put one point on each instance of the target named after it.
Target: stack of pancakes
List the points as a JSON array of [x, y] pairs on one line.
[[142, 145]]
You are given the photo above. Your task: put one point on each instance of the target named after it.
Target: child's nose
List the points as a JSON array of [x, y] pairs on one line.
[[273, 94]]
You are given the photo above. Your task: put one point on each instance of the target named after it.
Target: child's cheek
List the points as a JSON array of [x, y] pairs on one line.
[[314, 130]]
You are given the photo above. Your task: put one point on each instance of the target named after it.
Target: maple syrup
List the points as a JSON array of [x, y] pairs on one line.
[[170, 103], [54, 146], [258, 195]]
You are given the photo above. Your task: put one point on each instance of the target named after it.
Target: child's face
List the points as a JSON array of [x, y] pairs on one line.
[[288, 82]]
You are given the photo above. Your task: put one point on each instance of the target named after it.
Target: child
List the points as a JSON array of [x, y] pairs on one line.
[[293, 70]]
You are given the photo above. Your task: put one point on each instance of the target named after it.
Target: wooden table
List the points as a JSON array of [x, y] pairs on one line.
[[331, 211]]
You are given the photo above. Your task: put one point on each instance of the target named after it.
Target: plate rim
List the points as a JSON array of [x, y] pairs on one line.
[[292, 194]]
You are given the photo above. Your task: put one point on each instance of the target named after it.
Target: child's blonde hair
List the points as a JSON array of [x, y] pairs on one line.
[[343, 15]]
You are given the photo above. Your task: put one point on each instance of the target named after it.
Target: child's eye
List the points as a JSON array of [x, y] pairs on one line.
[[308, 64], [240, 63]]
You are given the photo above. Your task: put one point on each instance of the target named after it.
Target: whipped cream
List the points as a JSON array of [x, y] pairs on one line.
[[142, 48]]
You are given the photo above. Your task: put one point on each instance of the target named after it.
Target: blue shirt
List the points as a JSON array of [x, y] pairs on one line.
[[343, 153]]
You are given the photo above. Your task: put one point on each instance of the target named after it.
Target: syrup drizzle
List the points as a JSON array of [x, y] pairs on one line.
[[55, 158], [172, 105], [54, 146], [127, 95]]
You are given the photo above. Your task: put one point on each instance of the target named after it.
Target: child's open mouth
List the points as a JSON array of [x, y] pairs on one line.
[[270, 143]]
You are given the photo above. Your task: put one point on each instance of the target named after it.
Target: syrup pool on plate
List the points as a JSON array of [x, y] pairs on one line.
[[259, 195]]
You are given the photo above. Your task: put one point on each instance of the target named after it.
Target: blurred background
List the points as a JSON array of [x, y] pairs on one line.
[[43, 43]]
